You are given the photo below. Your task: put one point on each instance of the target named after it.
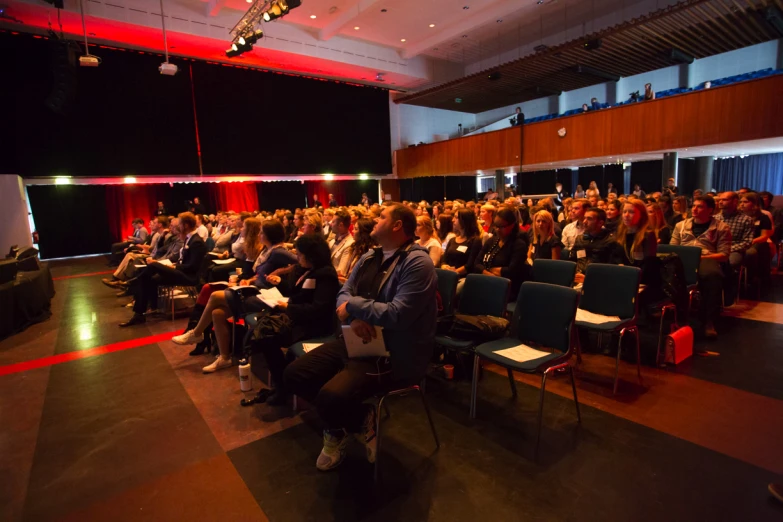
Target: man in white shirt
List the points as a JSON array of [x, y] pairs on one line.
[[201, 230], [341, 244], [576, 227]]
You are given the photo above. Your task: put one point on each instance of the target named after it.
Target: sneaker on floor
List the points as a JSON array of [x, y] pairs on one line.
[[709, 331], [367, 434], [333, 451], [776, 490], [219, 364], [188, 337], [111, 283]]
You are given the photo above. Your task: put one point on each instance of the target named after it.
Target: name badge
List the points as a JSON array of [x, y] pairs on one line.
[[757, 223], [580, 254], [463, 248], [638, 256], [309, 284]]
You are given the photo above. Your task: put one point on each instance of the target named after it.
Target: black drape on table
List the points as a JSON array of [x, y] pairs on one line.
[[71, 220]]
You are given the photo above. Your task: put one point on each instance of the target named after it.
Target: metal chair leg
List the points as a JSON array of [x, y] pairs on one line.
[[386, 412], [171, 300], [540, 414], [377, 467], [474, 386], [512, 383], [617, 364], [576, 401], [638, 354], [429, 418]]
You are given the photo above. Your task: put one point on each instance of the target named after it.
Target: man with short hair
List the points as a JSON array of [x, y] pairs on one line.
[[490, 195], [161, 237], [161, 210], [576, 227], [610, 189], [596, 245], [340, 245], [393, 287], [332, 201], [670, 189], [713, 237], [741, 226], [560, 195], [183, 273], [138, 237]]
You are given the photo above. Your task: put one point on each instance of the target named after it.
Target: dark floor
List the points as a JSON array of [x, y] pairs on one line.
[[141, 434]]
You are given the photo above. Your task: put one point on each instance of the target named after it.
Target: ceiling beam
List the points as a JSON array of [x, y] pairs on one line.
[[344, 18], [471, 21]]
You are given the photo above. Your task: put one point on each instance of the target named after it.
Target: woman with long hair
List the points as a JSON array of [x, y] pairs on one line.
[[613, 210], [639, 243], [579, 193], [545, 244], [505, 253], [428, 238], [680, 208], [445, 224], [658, 223], [461, 252], [362, 242], [524, 218], [759, 256]]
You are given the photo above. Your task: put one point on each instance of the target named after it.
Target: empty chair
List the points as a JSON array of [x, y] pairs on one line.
[[543, 324], [691, 258], [611, 290], [447, 288]]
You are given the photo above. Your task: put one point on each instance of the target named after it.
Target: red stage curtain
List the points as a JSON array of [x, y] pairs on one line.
[[323, 189], [126, 202], [236, 196]]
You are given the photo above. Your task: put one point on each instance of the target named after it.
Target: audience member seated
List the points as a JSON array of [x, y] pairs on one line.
[[157, 249], [486, 217], [544, 244], [649, 94], [309, 312], [680, 208], [665, 202], [393, 287], [340, 246], [249, 250], [505, 254], [595, 245], [579, 193], [658, 224], [639, 243], [638, 192], [291, 226], [462, 251], [576, 227], [428, 239], [741, 227], [758, 256], [273, 257], [445, 226], [613, 210], [184, 273], [713, 237], [139, 236], [362, 243]]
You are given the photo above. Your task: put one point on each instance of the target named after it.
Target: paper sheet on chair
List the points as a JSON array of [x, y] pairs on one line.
[[590, 317], [308, 347], [521, 353], [222, 261], [270, 296], [166, 262]]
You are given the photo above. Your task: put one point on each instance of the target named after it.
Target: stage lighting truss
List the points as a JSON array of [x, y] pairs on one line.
[[262, 11], [244, 42]]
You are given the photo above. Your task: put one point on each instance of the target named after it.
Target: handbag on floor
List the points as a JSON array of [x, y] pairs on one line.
[[679, 345]]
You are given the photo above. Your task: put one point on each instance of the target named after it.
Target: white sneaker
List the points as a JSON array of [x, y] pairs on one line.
[[333, 452], [367, 434], [219, 364], [188, 338]]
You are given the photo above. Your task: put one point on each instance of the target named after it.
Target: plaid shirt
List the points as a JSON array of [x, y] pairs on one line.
[[741, 227], [716, 240]]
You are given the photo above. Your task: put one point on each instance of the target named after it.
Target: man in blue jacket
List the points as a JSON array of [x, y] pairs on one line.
[[393, 287]]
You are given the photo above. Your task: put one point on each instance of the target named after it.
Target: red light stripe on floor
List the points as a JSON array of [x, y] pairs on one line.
[[82, 275], [83, 354]]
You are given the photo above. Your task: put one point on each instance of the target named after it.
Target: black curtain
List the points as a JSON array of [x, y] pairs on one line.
[[429, 189], [686, 175], [353, 190], [538, 182], [70, 219], [281, 194], [648, 175], [460, 187], [565, 176], [602, 175]]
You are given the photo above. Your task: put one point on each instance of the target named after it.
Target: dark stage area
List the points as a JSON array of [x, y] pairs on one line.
[[103, 423]]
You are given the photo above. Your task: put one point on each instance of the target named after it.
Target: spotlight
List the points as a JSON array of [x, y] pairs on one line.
[[280, 8], [244, 43]]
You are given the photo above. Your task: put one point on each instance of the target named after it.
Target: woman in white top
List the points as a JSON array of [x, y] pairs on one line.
[[428, 238]]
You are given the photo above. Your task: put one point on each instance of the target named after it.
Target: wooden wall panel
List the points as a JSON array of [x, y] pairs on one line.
[[391, 187], [741, 112], [487, 151]]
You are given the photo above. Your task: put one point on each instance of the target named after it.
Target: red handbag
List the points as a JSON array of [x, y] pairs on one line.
[[679, 345]]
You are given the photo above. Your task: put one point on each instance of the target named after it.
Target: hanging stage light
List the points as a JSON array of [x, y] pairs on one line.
[[279, 8], [244, 43]]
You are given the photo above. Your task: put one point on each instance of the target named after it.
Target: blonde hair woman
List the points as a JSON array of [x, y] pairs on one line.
[[428, 238], [634, 235], [658, 223], [545, 244]]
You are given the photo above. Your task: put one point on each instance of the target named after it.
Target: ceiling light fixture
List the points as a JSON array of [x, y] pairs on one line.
[[402, 39], [313, 17], [432, 25], [466, 8], [383, 10], [356, 28]]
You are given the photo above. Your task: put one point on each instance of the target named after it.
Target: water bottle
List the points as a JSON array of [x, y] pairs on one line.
[[245, 379]]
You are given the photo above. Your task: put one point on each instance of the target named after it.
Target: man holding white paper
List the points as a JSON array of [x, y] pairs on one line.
[[392, 287]]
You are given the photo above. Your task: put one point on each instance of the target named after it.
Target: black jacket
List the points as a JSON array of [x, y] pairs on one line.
[[511, 258], [311, 302], [193, 254], [602, 248]]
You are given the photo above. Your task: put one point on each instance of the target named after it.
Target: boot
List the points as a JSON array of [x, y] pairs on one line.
[[204, 346]]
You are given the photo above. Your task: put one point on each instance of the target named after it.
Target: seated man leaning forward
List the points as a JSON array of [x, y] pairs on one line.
[[393, 287]]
